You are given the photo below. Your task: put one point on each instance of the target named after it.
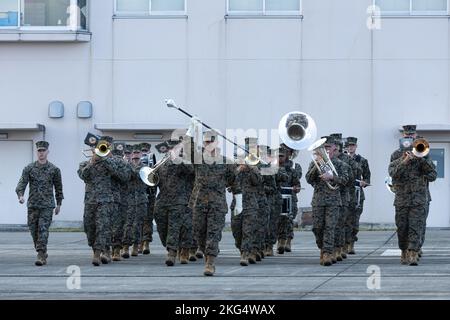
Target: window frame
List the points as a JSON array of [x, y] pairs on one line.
[[150, 12], [411, 12], [19, 26], [264, 12]]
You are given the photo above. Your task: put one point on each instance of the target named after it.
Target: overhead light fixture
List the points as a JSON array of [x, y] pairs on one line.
[[148, 136], [3, 136]]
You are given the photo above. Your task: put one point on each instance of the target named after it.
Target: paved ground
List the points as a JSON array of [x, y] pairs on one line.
[[297, 275]]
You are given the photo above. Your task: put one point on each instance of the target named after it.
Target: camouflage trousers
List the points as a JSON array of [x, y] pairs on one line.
[[262, 223], [410, 222], [243, 229], [133, 225], [283, 227], [290, 229], [174, 225], [339, 230], [39, 220], [118, 218], [274, 217], [147, 226], [209, 221], [96, 220], [349, 224], [355, 222], [324, 223], [194, 240], [286, 224], [427, 210]]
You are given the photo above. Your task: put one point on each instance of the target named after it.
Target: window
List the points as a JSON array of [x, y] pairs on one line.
[[263, 7], [44, 14], [9, 13], [150, 7], [413, 7]]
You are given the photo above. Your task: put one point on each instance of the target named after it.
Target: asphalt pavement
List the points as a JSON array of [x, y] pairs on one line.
[[373, 273]]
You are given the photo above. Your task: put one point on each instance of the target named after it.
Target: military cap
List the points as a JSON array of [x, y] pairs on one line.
[[145, 146], [330, 140], [136, 148], [128, 148], [336, 136], [42, 145], [107, 138], [285, 148], [409, 129], [282, 151], [209, 136], [351, 141], [162, 147]]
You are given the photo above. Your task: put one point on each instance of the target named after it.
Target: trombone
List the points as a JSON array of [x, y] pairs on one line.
[[322, 161], [149, 175], [421, 148]]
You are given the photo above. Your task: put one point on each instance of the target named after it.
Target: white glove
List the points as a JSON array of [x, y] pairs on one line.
[[238, 207]]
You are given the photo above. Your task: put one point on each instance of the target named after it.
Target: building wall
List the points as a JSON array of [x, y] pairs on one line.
[[235, 73]]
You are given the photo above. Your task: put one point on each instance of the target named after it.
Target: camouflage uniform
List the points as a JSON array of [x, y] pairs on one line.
[[347, 198], [189, 219], [299, 174], [98, 200], [137, 207], [293, 174], [273, 196], [209, 204], [427, 211], [243, 224], [173, 219], [42, 178], [261, 218], [410, 182], [147, 227], [119, 183], [356, 209], [325, 204]]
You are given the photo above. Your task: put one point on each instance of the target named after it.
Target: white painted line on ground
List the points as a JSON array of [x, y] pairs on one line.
[[391, 253], [233, 270]]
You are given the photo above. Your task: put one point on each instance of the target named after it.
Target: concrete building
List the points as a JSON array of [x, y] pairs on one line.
[[69, 66]]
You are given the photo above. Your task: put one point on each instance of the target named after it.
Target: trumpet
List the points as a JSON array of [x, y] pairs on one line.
[[322, 161], [102, 149]]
